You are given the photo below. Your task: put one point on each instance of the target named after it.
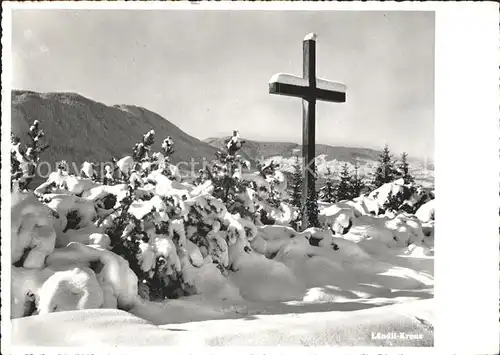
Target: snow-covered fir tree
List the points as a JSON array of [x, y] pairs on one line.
[[167, 146], [108, 178], [327, 192], [150, 238], [396, 202], [24, 159], [385, 171], [162, 160], [15, 165], [357, 183], [267, 170], [310, 211], [312, 208], [225, 174], [295, 185], [403, 168], [295, 192], [344, 188], [141, 149]]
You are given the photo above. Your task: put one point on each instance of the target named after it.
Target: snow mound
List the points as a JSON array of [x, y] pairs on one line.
[[212, 285], [425, 213], [273, 238], [276, 232], [328, 294], [25, 289], [69, 290], [194, 254], [118, 281], [87, 235], [261, 279], [32, 232], [357, 206], [338, 219]]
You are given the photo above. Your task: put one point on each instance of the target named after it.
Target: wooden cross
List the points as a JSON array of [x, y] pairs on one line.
[[309, 88]]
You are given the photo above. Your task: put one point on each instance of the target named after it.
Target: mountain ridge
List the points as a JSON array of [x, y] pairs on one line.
[[92, 130]]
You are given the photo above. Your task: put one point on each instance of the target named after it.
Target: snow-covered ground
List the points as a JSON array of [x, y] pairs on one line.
[[189, 324], [359, 280]]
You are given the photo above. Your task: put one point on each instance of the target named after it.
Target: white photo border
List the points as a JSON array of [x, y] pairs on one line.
[[467, 168]]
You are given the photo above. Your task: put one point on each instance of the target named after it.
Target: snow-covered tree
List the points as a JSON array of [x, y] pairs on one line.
[[274, 196], [123, 233], [344, 188], [385, 171], [327, 192], [312, 208], [145, 237], [395, 201], [162, 160], [403, 169], [24, 160], [202, 176], [295, 185], [141, 149], [167, 146], [15, 165], [108, 178], [357, 183], [234, 143], [225, 174], [295, 191]]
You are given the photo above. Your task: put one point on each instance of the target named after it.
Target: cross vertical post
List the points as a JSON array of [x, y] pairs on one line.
[[308, 128], [309, 88]]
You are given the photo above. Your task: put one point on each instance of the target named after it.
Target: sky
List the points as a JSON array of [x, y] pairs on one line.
[[208, 71]]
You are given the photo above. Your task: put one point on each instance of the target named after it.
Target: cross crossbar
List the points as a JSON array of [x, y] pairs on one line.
[[309, 88], [291, 85]]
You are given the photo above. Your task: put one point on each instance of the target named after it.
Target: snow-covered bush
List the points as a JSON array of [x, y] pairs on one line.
[[24, 159], [141, 149], [396, 196], [226, 177], [175, 227], [268, 191], [88, 170]]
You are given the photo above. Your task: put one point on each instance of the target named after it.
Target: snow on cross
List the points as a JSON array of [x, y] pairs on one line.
[[291, 85], [309, 88]]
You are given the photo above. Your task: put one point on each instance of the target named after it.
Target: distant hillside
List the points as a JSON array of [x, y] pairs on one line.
[[256, 150], [327, 157], [80, 129]]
